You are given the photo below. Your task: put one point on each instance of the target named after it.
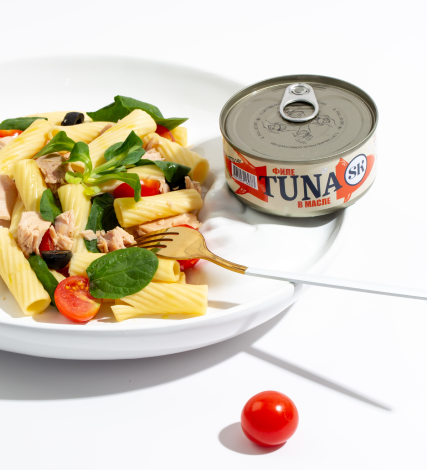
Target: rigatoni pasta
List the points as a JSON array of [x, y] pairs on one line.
[[71, 240]]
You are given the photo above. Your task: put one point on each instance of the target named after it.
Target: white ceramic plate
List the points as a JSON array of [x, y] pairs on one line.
[[236, 303]]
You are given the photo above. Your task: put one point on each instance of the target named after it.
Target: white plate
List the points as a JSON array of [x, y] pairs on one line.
[[236, 303]]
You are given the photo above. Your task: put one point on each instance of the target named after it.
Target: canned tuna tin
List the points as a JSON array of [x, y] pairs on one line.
[[300, 145]]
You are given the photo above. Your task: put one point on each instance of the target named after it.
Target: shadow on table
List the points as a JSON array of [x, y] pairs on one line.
[[34, 378]]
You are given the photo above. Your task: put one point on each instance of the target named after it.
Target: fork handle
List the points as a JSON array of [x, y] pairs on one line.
[[359, 286]]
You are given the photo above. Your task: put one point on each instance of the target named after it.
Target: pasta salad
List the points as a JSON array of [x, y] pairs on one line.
[[76, 189]]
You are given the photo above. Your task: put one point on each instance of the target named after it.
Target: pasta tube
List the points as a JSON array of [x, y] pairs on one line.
[[85, 132], [138, 121], [30, 183], [180, 135], [55, 118], [72, 198], [168, 270], [163, 298], [130, 213], [25, 146], [16, 217], [173, 152], [21, 280]]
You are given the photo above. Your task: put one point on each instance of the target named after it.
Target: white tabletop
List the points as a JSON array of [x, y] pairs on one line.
[[354, 364]]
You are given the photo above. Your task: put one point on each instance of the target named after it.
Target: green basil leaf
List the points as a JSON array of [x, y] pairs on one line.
[[172, 171], [132, 179], [60, 143], [121, 273], [21, 124], [48, 207], [123, 106], [49, 283], [102, 217], [80, 153], [73, 177]]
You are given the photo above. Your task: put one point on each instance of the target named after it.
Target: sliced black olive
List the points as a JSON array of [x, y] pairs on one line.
[[71, 119], [57, 259], [177, 185]]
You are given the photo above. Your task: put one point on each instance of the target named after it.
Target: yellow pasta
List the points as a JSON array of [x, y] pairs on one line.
[[85, 132], [58, 276], [130, 213], [168, 270], [25, 146], [29, 183], [163, 298], [21, 280], [182, 279], [18, 209], [180, 135], [138, 121], [173, 152], [72, 198], [56, 117]]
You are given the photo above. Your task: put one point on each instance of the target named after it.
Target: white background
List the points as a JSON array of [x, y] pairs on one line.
[[354, 364]]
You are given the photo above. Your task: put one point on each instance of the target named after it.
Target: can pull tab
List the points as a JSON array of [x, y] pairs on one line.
[[299, 92]]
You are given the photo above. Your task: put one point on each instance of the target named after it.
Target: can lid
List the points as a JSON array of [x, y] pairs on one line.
[[252, 123]]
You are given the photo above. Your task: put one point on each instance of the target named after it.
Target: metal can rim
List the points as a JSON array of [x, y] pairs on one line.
[[255, 87]]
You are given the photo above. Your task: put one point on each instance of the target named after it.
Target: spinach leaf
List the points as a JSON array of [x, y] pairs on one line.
[[121, 273], [60, 143], [39, 266], [80, 153], [132, 179], [172, 171], [48, 206], [102, 217], [123, 106], [21, 124]]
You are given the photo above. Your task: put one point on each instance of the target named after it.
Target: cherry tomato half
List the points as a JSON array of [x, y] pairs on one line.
[[148, 188], [74, 301], [187, 263], [47, 243], [9, 133], [164, 132], [269, 418]]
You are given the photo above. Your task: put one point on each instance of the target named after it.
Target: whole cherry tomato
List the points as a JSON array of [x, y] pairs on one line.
[[269, 418], [47, 243], [9, 132], [148, 188], [164, 132], [187, 263], [74, 301]]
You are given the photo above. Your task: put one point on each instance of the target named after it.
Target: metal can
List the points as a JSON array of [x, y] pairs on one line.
[[300, 145]]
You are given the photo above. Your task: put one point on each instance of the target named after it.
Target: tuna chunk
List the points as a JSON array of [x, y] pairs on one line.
[[151, 144], [189, 184], [164, 187], [31, 230], [5, 140], [8, 196], [62, 234], [53, 170], [153, 155], [113, 240], [182, 219], [89, 235]]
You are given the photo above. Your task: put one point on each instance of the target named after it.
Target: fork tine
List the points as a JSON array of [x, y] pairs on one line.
[[153, 235], [148, 242], [150, 246]]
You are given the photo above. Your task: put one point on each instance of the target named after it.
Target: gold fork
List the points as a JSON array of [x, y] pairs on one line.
[[181, 243]]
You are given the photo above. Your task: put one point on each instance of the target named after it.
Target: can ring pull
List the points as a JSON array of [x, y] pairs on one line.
[[299, 92]]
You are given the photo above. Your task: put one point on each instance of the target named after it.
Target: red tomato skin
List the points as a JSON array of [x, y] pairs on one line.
[[73, 300], [187, 263], [269, 419], [148, 188], [164, 132], [47, 243], [9, 133]]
